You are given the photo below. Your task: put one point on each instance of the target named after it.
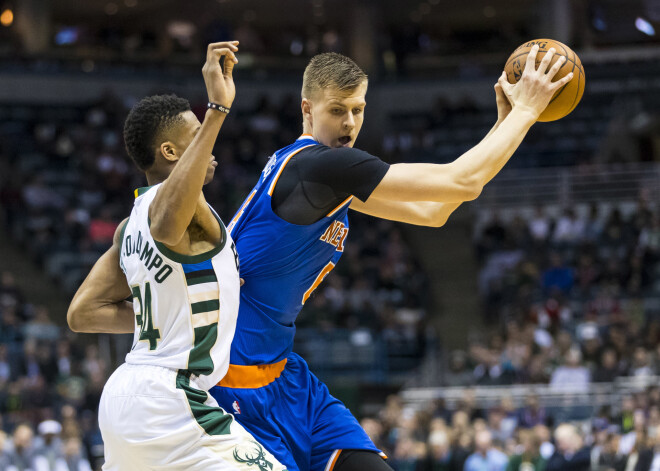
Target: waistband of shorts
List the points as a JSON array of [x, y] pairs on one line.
[[145, 371], [252, 376]]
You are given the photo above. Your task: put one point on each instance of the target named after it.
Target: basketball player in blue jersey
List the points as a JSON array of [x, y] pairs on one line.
[[292, 229]]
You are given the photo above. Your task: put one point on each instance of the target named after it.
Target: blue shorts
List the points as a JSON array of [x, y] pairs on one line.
[[295, 418]]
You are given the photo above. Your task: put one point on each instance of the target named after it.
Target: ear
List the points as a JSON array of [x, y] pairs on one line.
[[306, 107], [168, 151]]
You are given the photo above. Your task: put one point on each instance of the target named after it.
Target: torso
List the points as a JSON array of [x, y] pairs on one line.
[[282, 264], [186, 302]]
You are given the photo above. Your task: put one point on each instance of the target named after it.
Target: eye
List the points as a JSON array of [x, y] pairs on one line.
[[357, 111], [337, 111]]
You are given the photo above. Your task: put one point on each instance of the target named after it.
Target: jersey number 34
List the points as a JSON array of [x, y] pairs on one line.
[[144, 316]]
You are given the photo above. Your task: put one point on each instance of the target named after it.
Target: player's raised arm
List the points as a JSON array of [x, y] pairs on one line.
[[173, 207], [99, 305], [464, 179]]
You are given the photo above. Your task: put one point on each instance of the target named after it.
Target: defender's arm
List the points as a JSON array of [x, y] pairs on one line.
[[99, 305]]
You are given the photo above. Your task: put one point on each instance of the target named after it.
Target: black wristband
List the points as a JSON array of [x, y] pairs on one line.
[[215, 106]]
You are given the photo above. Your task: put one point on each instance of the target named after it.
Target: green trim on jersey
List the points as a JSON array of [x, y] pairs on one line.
[[189, 259], [121, 244], [205, 306], [213, 420], [201, 280], [142, 190]]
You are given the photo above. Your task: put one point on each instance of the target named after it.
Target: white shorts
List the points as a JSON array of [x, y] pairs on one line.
[[154, 418]]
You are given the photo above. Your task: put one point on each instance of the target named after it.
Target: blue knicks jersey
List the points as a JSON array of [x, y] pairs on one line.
[[281, 263]]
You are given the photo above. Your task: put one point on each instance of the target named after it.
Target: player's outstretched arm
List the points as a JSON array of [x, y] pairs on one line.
[[99, 305], [464, 179], [420, 213], [426, 213], [175, 203]]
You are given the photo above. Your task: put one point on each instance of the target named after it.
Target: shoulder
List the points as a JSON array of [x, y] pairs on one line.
[[321, 149], [116, 240]]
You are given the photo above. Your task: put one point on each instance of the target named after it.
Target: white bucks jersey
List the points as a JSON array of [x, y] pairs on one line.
[[185, 306]]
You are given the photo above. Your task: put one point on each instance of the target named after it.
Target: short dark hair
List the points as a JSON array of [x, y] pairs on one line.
[[147, 121], [331, 69]]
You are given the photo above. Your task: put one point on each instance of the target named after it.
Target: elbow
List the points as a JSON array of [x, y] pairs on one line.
[[472, 191], [466, 186], [469, 187], [439, 221], [74, 319]]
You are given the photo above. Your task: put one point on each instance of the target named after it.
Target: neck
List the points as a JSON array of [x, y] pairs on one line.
[[307, 128], [154, 177]]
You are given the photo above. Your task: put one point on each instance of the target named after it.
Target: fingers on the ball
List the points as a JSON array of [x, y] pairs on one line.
[[556, 66], [531, 58], [565, 80], [545, 62]]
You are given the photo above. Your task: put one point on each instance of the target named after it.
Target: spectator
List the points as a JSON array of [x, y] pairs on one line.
[[485, 457], [530, 459], [22, 455], [4, 455], [570, 455], [543, 434], [572, 375], [558, 276], [569, 228], [439, 451], [608, 368], [48, 445], [459, 373], [532, 414]]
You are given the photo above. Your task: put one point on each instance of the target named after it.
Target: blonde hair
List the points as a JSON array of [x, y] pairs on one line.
[[331, 70]]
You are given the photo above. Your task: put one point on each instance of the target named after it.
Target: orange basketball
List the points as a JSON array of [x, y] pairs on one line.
[[567, 97]]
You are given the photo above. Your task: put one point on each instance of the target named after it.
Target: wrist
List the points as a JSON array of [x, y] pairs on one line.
[[525, 114], [214, 115], [211, 105]]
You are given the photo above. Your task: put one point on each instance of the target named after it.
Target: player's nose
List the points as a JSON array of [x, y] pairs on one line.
[[350, 121]]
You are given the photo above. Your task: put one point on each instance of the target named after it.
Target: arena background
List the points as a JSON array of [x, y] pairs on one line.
[[535, 305]]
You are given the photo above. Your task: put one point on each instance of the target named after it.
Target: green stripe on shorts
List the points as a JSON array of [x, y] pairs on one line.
[[213, 420]]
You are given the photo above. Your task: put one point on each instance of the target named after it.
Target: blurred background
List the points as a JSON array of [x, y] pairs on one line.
[[470, 345]]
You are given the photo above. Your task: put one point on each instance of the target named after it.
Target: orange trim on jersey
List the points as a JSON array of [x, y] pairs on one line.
[[239, 213], [305, 135], [279, 172], [252, 376], [334, 460], [339, 207]]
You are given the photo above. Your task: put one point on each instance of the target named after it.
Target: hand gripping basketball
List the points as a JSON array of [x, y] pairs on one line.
[[535, 88], [218, 78]]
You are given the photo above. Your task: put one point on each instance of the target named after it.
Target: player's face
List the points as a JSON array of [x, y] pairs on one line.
[[336, 116], [184, 138]]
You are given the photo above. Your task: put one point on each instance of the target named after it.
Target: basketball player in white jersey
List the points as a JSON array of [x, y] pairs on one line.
[[174, 257]]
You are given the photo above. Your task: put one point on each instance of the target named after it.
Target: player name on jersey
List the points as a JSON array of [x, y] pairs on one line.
[[335, 235], [153, 261]]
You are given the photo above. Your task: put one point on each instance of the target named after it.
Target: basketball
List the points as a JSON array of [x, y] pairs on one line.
[[567, 97]]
